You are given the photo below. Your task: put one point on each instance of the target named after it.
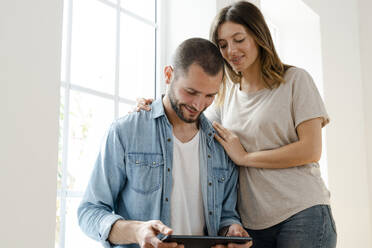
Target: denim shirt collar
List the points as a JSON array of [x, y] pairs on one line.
[[204, 124]]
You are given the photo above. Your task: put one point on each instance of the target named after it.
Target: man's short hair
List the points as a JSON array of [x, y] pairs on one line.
[[200, 51]]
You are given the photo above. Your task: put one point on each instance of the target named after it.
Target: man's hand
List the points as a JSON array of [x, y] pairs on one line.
[[142, 233], [236, 230], [146, 235]]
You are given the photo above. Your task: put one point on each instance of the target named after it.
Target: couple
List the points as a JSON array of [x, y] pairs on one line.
[[166, 165]]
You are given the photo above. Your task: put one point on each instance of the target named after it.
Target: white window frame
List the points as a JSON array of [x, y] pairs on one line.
[[63, 193]]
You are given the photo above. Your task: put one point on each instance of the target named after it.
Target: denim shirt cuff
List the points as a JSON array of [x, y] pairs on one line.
[[105, 228]]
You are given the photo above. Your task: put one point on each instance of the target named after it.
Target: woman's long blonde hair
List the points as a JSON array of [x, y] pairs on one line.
[[248, 15]]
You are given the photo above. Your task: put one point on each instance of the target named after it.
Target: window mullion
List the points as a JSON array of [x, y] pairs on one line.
[[62, 234], [156, 47], [117, 61]]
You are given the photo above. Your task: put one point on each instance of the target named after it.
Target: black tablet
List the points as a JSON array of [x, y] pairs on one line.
[[191, 241]]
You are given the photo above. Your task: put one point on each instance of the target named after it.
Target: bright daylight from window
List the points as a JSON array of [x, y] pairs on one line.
[[108, 59]]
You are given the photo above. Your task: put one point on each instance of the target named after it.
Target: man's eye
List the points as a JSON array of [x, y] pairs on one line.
[[191, 92]]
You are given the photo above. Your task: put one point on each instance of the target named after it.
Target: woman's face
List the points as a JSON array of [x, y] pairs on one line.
[[237, 46]]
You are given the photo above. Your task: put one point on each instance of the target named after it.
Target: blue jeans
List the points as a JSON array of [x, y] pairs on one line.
[[311, 228]]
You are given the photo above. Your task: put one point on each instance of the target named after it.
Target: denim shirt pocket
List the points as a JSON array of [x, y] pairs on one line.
[[220, 175], [145, 171]]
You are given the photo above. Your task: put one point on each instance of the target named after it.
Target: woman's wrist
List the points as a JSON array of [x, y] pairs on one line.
[[245, 160]]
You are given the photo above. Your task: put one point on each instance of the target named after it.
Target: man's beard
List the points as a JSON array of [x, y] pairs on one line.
[[177, 107]]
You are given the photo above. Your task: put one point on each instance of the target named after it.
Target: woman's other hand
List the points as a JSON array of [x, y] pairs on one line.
[[230, 143], [142, 103]]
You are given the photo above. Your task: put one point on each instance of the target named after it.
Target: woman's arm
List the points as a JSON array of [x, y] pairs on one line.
[[306, 150]]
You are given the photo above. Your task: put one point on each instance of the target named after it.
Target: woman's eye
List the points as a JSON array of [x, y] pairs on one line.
[[223, 46], [239, 41]]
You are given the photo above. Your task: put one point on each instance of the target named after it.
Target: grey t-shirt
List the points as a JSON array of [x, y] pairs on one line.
[[265, 120]]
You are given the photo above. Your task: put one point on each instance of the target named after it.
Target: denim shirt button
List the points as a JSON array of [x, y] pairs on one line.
[[209, 156], [137, 162], [210, 212], [169, 140], [222, 179], [154, 162], [210, 183], [168, 169], [210, 134], [166, 199]]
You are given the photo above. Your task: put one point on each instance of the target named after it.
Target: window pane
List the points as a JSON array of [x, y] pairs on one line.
[[90, 118], [137, 58], [75, 238], [66, 6], [93, 45], [143, 8], [58, 222], [60, 138], [113, 1]]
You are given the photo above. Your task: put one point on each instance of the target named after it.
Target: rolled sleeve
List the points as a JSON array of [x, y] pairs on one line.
[[105, 228], [96, 211]]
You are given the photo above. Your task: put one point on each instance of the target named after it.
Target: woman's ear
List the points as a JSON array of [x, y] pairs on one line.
[[168, 73]]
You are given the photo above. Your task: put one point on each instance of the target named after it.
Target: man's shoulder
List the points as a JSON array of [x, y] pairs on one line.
[[134, 118], [132, 122]]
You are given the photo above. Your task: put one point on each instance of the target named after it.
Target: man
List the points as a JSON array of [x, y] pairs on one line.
[[163, 168]]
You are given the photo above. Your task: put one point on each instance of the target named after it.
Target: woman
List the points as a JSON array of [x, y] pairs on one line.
[[273, 115], [269, 118]]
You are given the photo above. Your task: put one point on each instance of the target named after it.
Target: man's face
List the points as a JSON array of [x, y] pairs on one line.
[[192, 93]]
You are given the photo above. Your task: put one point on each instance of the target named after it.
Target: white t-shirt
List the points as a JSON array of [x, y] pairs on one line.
[[187, 215], [265, 120]]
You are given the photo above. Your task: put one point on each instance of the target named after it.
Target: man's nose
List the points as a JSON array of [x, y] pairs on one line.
[[198, 103]]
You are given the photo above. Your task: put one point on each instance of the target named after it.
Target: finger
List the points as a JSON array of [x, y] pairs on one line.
[[220, 129], [162, 244], [158, 225], [149, 100], [142, 106], [168, 245], [147, 246], [235, 233], [155, 242], [218, 125], [220, 140], [245, 245], [220, 133]]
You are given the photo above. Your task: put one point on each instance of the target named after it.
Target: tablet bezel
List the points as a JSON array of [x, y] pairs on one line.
[[204, 241]]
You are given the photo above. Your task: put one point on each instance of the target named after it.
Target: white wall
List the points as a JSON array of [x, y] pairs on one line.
[[30, 38], [343, 92], [365, 29], [296, 32], [182, 20]]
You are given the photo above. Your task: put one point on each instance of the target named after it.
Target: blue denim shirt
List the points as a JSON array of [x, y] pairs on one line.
[[132, 177]]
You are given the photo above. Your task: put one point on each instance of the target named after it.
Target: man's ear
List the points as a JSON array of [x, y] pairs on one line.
[[168, 73]]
